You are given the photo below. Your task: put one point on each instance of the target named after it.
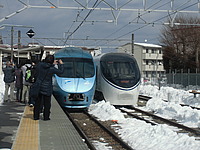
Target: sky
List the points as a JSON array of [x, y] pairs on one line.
[[66, 22], [144, 136]]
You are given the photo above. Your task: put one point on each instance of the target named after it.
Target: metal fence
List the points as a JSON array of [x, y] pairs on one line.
[[178, 80], [183, 79]]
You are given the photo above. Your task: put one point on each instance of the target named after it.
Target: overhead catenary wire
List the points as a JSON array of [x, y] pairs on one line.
[[71, 33], [78, 15], [140, 16], [130, 32], [95, 5], [146, 12], [157, 20]]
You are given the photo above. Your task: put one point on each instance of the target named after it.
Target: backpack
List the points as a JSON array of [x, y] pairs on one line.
[[28, 74]]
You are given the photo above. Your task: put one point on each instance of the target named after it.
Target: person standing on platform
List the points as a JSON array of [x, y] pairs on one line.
[[26, 84], [9, 78], [32, 79], [45, 70], [18, 82]]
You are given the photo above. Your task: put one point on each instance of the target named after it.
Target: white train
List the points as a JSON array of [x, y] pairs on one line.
[[118, 78]]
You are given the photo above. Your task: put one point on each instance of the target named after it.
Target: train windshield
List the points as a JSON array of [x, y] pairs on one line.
[[123, 74], [77, 68]]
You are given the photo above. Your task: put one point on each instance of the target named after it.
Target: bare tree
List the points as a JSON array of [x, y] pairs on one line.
[[181, 43]]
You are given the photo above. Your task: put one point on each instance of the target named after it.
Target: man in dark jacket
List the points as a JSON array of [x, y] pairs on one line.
[[45, 70], [18, 82], [9, 78]]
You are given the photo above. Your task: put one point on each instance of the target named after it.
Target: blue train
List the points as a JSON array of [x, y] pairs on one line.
[[118, 78], [76, 86]]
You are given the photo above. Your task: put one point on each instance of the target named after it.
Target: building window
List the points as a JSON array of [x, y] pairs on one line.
[[146, 74], [147, 50], [147, 62], [153, 51], [160, 51], [153, 62], [159, 62]]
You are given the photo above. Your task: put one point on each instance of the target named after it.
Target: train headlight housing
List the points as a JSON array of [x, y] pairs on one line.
[[76, 97]]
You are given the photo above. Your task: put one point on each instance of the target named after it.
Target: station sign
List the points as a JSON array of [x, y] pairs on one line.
[[30, 33]]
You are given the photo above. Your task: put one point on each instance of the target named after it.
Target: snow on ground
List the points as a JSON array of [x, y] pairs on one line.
[[144, 136], [172, 109]]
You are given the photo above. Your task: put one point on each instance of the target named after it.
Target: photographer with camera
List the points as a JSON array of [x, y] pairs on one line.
[[58, 62], [45, 70]]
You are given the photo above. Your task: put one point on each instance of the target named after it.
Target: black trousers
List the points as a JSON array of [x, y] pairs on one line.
[[19, 94], [43, 101]]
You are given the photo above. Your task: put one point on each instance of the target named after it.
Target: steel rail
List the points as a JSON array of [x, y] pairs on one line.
[[122, 143], [138, 117], [78, 128], [146, 98], [191, 130]]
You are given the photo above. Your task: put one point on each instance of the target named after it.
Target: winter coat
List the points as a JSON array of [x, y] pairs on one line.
[[33, 74], [19, 78], [9, 74], [44, 73]]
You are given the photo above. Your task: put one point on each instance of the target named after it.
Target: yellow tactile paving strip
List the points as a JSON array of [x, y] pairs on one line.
[[27, 137]]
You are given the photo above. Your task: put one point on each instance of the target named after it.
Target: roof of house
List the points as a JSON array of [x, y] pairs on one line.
[[148, 45], [145, 45]]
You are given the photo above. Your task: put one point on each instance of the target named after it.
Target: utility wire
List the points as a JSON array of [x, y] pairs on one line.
[[78, 15], [152, 22], [157, 20], [137, 18], [82, 21]]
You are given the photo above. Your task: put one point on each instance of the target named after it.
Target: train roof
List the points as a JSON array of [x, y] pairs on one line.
[[72, 52], [117, 57]]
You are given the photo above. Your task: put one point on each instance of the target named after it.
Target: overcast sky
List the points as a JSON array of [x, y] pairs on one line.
[[101, 26]]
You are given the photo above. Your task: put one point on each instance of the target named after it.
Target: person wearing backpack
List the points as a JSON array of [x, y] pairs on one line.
[[26, 84], [32, 79]]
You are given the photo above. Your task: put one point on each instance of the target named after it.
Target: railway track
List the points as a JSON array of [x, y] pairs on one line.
[[154, 120], [94, 131], [143, 100]]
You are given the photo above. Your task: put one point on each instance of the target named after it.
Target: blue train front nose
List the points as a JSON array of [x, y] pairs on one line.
[[75, 85], [74, 92]]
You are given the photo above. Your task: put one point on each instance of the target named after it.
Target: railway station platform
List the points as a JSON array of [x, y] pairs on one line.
[[57, 133]]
